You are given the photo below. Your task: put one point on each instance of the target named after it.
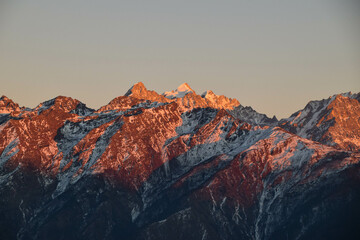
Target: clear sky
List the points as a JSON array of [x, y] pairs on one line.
[[272, 55]]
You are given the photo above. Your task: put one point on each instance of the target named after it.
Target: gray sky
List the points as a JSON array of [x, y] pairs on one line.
[[272, 55]]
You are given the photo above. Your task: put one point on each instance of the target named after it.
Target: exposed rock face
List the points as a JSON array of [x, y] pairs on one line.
[[149, 167], [334, 121], [7, 106], [249, 115], [221, 101], [139, 91], [184, 96]]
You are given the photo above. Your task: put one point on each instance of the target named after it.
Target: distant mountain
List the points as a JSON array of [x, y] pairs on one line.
[[184, 96], [178, 166], [180, 92]]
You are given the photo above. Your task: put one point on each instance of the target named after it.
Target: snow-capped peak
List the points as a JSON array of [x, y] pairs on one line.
[[184, 88], [180, 92]]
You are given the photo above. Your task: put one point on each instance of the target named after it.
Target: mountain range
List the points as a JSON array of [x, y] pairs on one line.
[[179, 165]]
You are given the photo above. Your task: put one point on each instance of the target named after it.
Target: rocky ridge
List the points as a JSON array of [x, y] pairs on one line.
[[151, 166], [333, 121]]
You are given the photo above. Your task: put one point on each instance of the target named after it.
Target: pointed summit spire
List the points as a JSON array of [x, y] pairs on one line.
[[184, 88], [137, 89]]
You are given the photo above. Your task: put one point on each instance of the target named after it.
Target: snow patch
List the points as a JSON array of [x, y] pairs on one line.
[[180, 92], [9, 151]]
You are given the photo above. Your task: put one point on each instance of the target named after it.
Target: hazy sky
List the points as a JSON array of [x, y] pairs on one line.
[[272, 55]]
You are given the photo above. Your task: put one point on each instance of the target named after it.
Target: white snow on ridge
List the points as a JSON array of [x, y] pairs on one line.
[[180, 92], [9, 151]]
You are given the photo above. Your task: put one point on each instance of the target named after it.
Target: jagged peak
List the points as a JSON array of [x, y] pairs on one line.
[[180, 92], [314, 105], [4, 98], [72, 105], [340, 95], [344, 94], [347, 95], [137, 91], [184, 88], [137, 88], [220, 101], [62, 98], [7, 105], [343, 100], [208, 93], [251, 116], [66, 104]]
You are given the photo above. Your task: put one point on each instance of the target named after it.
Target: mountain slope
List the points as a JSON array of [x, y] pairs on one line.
[[7, 105], [148, 167], [334, 121], [249, 115]]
